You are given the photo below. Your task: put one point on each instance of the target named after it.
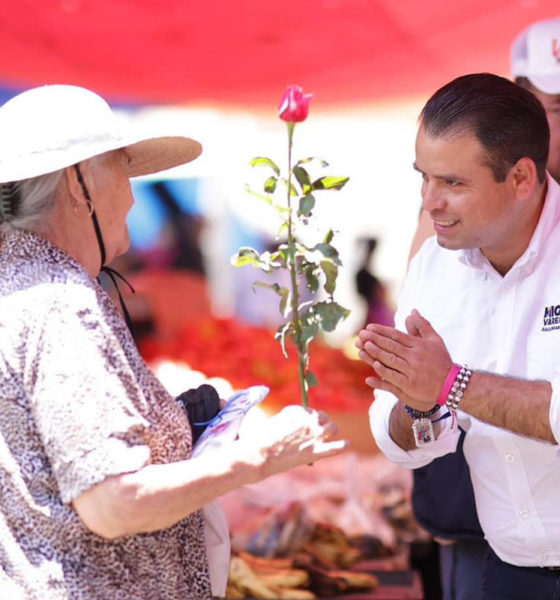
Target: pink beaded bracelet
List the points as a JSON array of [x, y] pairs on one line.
[[451, 376]]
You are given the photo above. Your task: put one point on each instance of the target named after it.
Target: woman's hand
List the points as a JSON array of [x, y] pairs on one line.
[[159, 495], [293, 437]]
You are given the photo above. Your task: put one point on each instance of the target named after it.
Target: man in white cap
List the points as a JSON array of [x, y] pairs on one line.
[[535, 65]]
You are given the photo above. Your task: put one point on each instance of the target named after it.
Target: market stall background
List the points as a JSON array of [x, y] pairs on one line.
[[241, 53], [215, 71]]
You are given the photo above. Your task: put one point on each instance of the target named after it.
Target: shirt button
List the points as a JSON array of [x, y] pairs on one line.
[[505, 289], [524, 513], [510, 457]]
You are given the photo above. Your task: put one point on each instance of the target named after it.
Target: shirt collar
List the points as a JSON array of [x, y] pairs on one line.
[[550, 216]]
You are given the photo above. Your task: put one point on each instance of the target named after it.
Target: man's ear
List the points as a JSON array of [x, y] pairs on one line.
[[523, 178]]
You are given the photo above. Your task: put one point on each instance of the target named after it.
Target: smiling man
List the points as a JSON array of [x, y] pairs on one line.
[[477, 294], [535, 65]]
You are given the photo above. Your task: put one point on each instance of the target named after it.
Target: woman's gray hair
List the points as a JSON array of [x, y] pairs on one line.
[[27, 204]]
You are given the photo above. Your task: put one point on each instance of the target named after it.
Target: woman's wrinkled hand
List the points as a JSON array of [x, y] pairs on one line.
[[295, 436]]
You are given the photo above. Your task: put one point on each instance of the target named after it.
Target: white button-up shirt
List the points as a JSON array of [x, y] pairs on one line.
[[510, 326]]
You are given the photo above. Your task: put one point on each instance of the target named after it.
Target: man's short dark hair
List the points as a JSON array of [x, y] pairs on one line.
[[508, 121]]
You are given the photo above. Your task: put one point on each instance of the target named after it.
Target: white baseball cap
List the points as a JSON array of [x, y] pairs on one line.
[[535, 54], [48, 128]]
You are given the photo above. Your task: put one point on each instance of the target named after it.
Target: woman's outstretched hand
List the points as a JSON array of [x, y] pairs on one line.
[[295, 436]]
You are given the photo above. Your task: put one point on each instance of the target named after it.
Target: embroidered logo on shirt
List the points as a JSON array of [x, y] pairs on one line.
[[551, 319]]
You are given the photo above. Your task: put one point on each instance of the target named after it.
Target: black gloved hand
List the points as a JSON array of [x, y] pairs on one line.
[[202, 405]]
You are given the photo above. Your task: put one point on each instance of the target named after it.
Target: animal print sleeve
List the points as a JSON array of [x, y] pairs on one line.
[[84, 395]]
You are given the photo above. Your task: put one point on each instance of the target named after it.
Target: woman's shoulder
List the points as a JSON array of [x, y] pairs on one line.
[[45, 288], [32, 269]]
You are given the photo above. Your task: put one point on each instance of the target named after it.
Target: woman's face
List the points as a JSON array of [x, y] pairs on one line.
[[112, 199]]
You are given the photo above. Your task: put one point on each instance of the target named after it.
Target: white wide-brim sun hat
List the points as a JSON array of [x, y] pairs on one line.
[[48, 128]]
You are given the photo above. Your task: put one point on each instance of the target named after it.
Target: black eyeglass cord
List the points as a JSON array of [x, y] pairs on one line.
[[112, 273]]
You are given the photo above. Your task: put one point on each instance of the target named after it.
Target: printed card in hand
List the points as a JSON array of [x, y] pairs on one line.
[[223, 428]]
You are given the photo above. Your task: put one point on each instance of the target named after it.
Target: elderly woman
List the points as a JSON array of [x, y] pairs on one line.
[[99, 497]]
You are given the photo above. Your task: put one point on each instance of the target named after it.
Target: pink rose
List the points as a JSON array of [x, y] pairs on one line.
[[295, 104]]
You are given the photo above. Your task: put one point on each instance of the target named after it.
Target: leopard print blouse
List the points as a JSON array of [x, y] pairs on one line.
[[78, 404]]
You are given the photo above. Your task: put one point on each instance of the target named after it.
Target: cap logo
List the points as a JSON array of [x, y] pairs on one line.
[[556, 49]]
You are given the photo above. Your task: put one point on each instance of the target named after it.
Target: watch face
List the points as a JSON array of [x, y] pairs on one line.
[[423, 431]]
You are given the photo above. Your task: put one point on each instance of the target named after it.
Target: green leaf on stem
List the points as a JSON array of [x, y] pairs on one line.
[[283, 228], [304, 306], [270, 184], [266, 199], [330, 269], [306, 205], [283, 210], [320, 252], [329, 183], [283, 292], [278, 258], [285, 301], [310, 379], [246, 256], [302, 177], [311, 278], [280, 335], [323, 163], [293, 191], [307, 332], [263, 161], [328, 251], [283, 250], [329, 314], [249, 256], [272, 259]]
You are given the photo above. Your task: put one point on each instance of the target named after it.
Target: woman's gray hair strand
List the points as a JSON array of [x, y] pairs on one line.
[[26, 204]]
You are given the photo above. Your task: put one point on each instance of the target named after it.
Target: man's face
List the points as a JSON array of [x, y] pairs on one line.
[[469, 208], [551, 103]]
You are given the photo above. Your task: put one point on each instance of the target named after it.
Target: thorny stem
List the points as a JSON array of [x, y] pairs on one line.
[[293, 276]]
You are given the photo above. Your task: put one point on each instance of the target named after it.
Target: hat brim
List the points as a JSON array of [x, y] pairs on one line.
[[147, 155], [159, 154]]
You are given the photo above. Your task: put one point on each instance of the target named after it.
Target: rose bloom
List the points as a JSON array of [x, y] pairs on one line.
[[295, 105]]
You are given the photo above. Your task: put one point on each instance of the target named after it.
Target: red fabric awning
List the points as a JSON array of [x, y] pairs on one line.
[[245, 52]]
